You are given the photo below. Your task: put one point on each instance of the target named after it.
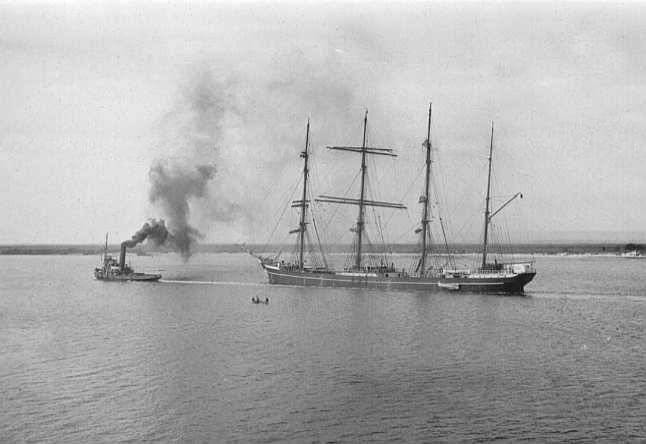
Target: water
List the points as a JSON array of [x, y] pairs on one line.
[[88, 361]]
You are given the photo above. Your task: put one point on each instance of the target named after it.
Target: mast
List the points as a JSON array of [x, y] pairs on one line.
[[362, 202], [486, 217], [360, 221], [425, 220], [305, 156]]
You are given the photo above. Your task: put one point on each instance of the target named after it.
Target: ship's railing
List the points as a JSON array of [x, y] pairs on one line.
[[501, 268], [522, 267], [372, 269], [293, 266], [509, 267]]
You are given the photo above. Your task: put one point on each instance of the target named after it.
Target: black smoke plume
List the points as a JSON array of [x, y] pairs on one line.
[[172, 186], [154, 231]]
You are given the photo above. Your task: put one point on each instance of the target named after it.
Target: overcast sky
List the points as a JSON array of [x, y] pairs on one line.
[[93, 93]]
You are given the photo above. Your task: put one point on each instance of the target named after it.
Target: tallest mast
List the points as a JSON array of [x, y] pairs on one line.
[[360, 220], [425, 220], [305, 156], [486, 217]]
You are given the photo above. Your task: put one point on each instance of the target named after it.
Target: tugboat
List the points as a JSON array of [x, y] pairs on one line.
[[113, 270]]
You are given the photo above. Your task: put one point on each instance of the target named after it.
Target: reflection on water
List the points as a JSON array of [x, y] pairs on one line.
[[86, 361]]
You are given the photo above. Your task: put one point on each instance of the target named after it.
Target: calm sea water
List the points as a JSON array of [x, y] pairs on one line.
[[87, 361]]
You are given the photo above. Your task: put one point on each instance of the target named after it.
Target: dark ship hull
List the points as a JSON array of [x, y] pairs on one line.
[[487, 282], [103, 276]]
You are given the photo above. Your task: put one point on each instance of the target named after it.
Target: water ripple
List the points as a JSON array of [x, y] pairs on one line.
[[191, 359]]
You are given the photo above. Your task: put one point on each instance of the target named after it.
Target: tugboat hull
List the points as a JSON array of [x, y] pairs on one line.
[[127, 277], [485, 283]]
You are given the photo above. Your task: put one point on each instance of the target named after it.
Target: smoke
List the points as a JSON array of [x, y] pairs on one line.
[[152, 230], [172, 186], [191, 137], [156, 232], [226, 140]]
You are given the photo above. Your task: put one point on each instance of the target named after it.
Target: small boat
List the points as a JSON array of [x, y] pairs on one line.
[[448, 286], [257, 300], [113, 270]]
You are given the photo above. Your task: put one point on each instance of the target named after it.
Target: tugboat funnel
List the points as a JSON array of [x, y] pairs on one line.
[[122, 257]]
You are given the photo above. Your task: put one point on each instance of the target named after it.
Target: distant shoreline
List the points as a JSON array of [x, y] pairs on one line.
[[557, 248]]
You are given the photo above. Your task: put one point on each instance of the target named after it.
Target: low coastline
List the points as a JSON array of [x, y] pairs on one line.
[[557, 248]]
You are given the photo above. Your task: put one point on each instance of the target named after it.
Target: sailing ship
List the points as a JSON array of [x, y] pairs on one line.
[[497, 277], [113, 270]]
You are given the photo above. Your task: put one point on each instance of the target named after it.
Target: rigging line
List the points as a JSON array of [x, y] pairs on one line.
[[379, 229], [498, 233], [404, 234], [291, 195], [473, 187], [442, 178], [504, 237], [368, 242], [270, 190], [376, 182], [368, 180], [316, 183], [380, 175], [344, 195], [439, 189], [406, 193], [288, 205], [282, 243], [439, 215], [470, 219], [411, 220], [510, 249], [446, 242], [308, 242], [317, 258], [493, 239], [412, 227], [369, 188], [316, 232], [379, 224], [388, 245], [500, 237]]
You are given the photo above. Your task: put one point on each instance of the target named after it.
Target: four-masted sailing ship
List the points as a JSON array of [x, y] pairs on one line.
[[497, 277]]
